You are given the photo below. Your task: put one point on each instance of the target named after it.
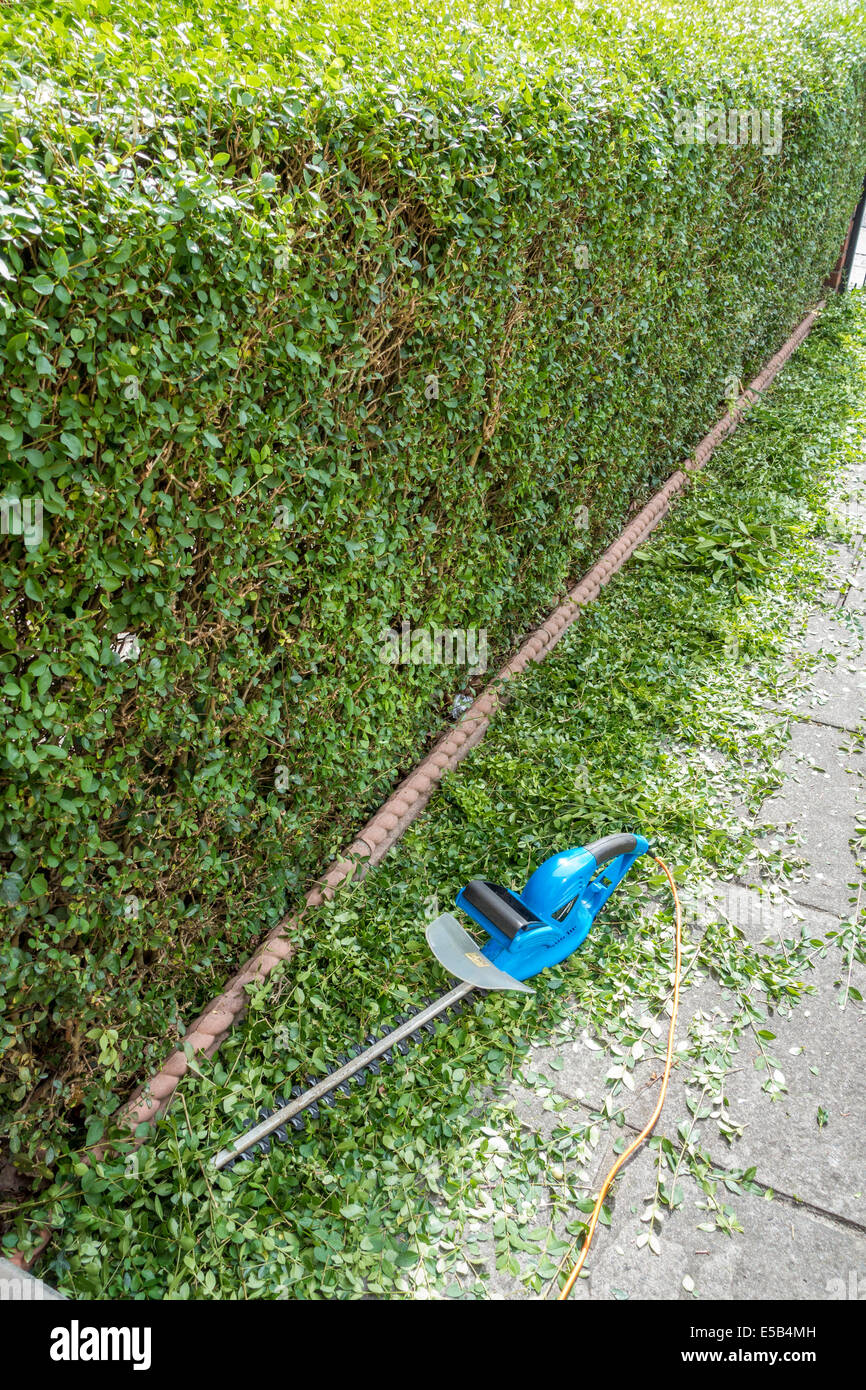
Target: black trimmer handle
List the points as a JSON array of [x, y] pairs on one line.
[[611, 846], [498, 905]]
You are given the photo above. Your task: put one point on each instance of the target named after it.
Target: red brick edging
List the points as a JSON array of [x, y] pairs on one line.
[[402, 807]]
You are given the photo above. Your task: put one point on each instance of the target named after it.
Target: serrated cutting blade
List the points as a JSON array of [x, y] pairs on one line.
[[364, 1061], [459, 954]]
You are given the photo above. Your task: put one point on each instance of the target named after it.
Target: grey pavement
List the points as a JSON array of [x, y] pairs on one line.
[[783, 1252]]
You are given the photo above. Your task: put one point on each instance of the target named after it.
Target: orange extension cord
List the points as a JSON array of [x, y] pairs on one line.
[[648, 1127]]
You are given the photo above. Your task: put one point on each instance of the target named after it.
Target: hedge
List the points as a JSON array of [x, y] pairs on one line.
[[317, 322]]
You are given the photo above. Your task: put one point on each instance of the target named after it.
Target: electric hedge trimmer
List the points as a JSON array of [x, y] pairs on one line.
[[526, 932]]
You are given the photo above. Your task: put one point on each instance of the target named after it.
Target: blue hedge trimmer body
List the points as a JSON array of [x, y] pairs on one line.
[[526, 932], [541, 926]]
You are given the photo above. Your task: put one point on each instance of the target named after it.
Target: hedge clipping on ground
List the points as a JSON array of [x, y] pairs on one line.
[[320, 323]]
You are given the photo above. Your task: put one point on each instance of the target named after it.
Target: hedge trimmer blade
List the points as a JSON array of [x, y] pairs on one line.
[[354, 1068], [527, 932]]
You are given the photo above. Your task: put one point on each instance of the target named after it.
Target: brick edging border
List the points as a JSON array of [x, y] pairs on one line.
[[370, 846]]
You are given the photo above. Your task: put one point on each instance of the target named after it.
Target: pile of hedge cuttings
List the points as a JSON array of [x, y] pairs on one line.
[[318, 320]]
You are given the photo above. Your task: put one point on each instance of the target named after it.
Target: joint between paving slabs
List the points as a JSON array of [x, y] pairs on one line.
[[778, 1195]]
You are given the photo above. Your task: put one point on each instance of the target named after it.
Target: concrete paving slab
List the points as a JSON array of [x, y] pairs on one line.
[[782, 1137], [576, 1066], [783, 1252], [851, 507], [850, 503], [855, 598], [762, 915], [578, 1070], [546, 1115], [575, 1070], [818, 1053], [837, 691], [843, 560], [823, 797], [778, 1249], [834, 636], [821, 1050]]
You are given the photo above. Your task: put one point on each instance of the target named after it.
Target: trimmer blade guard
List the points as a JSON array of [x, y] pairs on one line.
[[455, 949]]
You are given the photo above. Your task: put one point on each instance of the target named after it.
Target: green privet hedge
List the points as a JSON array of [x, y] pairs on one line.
[[316, 321]]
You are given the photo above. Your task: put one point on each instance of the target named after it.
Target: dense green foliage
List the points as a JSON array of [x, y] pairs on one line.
[[661, 708], [295, 345]]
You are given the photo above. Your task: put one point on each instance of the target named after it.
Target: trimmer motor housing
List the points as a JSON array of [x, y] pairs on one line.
[[539, 927]]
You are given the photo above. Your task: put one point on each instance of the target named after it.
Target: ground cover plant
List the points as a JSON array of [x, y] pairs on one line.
[[317, 320], [658, 710]]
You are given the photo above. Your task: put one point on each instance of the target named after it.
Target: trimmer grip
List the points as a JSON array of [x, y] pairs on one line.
[[499, 905], [611, 847]]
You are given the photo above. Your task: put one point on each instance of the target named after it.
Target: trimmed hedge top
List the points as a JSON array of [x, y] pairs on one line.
[[317, 322]]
